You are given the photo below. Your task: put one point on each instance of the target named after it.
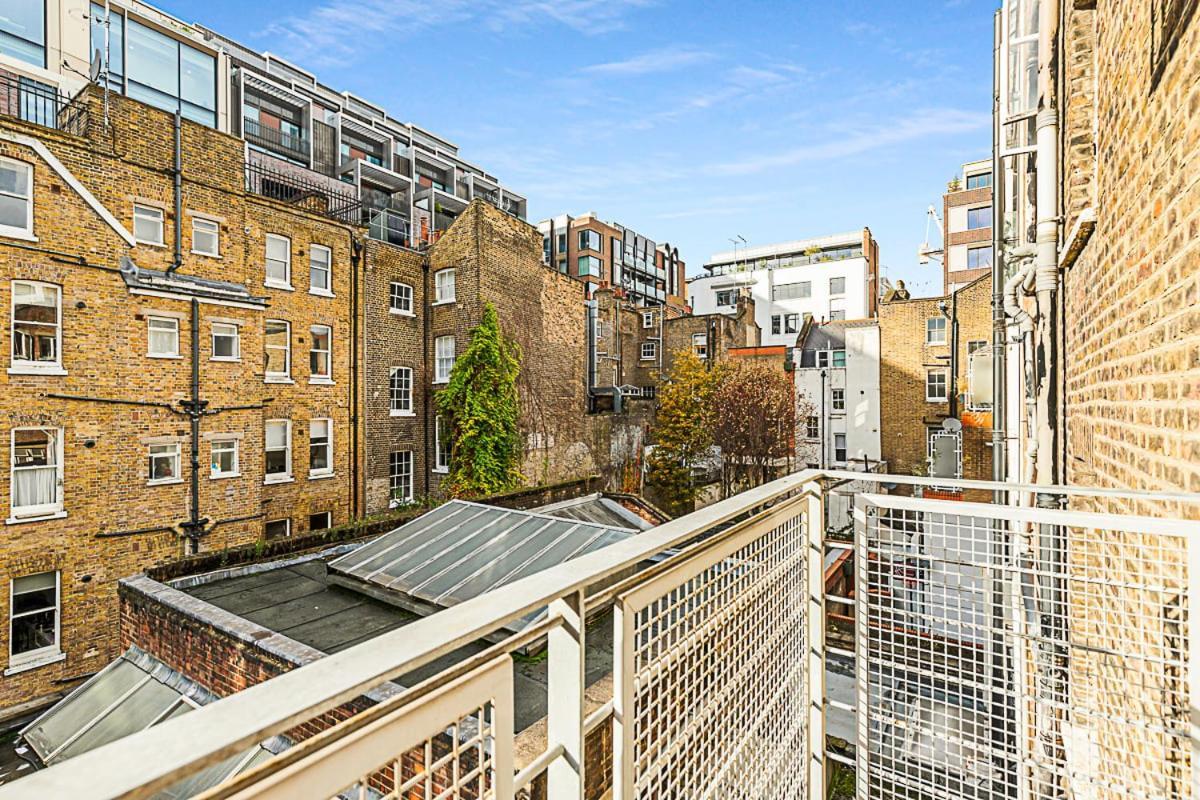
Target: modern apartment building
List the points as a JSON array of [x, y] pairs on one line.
[[825, 278], [598, 253], [407, 184], [967, 217], [837, 386]]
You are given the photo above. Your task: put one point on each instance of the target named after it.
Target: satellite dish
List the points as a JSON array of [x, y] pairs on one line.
[[951, 424], [94, 71]]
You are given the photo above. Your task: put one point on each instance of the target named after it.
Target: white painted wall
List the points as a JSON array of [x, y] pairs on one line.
[[702, 292], [860, 420]]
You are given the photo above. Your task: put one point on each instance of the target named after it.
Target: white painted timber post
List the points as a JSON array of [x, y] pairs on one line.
[[814, 521], [565, 685]]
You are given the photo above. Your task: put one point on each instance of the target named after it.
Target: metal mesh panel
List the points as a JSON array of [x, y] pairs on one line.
[[715, 694], [1000, 658]]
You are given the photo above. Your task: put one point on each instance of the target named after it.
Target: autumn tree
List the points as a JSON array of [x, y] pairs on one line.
[[480, 410], [754, 424], [683, 432]]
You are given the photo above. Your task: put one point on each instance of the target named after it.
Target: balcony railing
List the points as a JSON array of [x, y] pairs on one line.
[[290, 185], [1000, 651], [286, 144], [388, 226], [41, 104]]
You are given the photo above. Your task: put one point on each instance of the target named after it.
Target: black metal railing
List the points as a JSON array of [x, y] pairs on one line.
[[41, 104], [292, 145], [308, 193]]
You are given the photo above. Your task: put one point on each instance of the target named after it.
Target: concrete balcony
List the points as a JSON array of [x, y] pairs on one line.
[[987, 650]]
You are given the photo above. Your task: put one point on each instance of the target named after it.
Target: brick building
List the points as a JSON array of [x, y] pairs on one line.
[[100, 359], [967, 217], [915, 386]]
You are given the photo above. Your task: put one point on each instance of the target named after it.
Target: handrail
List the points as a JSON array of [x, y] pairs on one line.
[[219, 730]]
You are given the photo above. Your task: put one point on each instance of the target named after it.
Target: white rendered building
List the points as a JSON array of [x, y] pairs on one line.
[[837, 386]]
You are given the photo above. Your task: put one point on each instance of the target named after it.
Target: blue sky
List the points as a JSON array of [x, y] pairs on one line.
[[689, 122]]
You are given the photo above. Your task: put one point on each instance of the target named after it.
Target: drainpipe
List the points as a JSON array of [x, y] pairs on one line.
[[999, 454], [194, 407], [358, 256], [823, 437], [178, 176], [427, 379]]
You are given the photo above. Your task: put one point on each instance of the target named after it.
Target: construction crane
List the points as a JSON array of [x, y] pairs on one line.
[[925, 252]]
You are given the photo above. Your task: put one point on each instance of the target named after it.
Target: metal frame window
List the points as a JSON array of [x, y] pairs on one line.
[[935, 330], [34, 618], [792, 291], [36, 472], [976, 344], [444, 286], [226, 342], [277, 451], [400, 299], [16, 198], [320, 354], [589, 266], [838, 399], [837, 286], [320, 447], [981, 180], [164, 464], [277, 347], [979, 257], [980, 217], [837, 358], [443, 347], [36, 325], [168, 74], [649, 351], [23, 31], [320, 270], [148, 225], [225, 461], [400, 392], [162, 337], [206, 237], [400, 477], [590, 240], [441, 445], [937, 385], [727, 297], [837, 314], [278, 261]]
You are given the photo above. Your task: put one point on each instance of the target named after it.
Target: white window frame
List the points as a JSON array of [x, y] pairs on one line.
[[324, 472], [237, 341], [23, 366], [407, 494], [173, 325], [214, 231], [45, 510], [837, 399], [700, 345], [328, 269], [173, 453], [812, 427], [844, 448], [151, 214], [439, 466], [443, 364], [276, 283], [26, 231], [832, 291], [647, 319], [286, 475], [287, 524], [42, 654], [931, 437], [932, 330], [649, 351], [286, 375], [218, 474], [313, 332], [824, 358], [405, 394], [328, 520], [929, 373], [393, 295], [445, 291]]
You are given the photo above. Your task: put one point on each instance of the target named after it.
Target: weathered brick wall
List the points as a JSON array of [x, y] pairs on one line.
[[116, 524], [1132, 299], [905, 415]]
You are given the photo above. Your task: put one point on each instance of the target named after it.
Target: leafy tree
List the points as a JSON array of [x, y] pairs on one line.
[[754, 424], [683, 432], [480, 409]]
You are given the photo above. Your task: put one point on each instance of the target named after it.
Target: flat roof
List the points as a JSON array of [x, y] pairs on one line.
[[781, 248]]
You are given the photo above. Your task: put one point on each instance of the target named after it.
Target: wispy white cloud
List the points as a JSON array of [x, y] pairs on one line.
[[921, 124], [654, 61], [338, 32]]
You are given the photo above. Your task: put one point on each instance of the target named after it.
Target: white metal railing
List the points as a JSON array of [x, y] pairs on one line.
[[719, 666]]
